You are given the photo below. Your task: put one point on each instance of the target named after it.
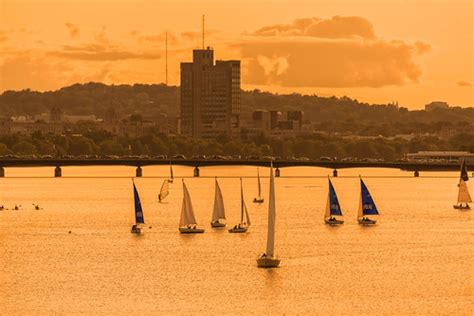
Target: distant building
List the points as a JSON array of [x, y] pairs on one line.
[[271, 124], [210, 95], [452, 156], [436, 105]]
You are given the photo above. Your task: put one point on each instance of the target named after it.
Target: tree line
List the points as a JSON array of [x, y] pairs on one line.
[[101, 143]]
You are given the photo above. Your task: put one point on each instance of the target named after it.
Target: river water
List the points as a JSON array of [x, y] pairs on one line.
[[417, 259]]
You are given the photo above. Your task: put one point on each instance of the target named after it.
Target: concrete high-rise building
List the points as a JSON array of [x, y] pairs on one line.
[[210, 95]]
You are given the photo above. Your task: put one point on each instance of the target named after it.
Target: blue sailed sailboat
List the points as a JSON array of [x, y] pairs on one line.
[[366, 206], [139, 220], [333, 208]]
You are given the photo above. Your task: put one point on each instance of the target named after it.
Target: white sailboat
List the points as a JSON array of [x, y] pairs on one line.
[[242, 227], [164, 192], [258, 199], [464, 198], [187, 222], [366, 207], [333, 208], [218, 214], [139, 220], [269, 259], [171, 179]]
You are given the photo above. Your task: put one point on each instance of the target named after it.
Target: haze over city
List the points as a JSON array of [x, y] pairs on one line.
[[413, 52]]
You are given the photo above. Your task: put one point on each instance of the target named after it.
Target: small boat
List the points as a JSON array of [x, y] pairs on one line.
[[218, 214], [366, 206], [164, 190], [258, 199], [187, 222], [243, 226], [333, 208], [170, 180], [464, 198], [139, 220], [269, 259]]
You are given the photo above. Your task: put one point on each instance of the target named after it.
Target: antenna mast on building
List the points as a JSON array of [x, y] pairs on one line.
[[203, 32], [166, 58]]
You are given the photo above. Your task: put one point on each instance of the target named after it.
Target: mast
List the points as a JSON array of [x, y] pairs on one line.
[[241, 202], [203, 32], [259, 186], [166, 58], [271, 216], [171, 172]]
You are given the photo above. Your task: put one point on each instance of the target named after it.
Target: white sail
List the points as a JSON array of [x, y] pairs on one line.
[[259, 186], [164, 190], [247, 217], [327, 213], [271, 216], [219, 210], [463, 195], [243, 207], [187, 212]]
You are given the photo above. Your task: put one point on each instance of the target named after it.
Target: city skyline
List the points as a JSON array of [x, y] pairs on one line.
[[376, 53]]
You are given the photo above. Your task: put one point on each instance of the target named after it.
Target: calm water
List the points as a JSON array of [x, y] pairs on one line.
[[417, 259]]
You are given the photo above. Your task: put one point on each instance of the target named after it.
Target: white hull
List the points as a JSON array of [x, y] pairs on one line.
[[366, 221], [268, 262], [217, 224], [186, 230], [462, 207], [136, 230], [242, 229], [333, 222]]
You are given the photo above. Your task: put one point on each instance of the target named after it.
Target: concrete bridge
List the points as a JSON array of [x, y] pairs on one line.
[[416, 167]]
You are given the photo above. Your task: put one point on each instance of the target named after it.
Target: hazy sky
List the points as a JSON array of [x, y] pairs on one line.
[[412, 51]]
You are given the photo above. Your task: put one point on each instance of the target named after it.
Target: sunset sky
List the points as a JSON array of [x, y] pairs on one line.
[[412, 51]]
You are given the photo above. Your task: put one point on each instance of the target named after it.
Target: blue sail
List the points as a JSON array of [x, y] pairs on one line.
[[138, 207], [334, 207], [368, 205]]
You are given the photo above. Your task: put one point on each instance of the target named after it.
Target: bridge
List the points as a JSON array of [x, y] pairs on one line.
[[416, 167]]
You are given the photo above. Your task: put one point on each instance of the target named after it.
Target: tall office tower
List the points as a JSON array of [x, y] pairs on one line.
[[210, 95]]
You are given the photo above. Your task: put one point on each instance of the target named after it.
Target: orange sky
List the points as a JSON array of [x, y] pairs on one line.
[[380, 51]]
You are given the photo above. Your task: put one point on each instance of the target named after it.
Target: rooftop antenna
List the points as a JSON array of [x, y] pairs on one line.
[[166, 58], [203, 31]]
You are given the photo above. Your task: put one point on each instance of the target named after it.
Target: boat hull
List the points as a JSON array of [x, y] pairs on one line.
[[366, 221], [238, 230], [333, 222], [217, 224], [136, 230], [255, 200], [185, 230], [268, 262], [461, 207]]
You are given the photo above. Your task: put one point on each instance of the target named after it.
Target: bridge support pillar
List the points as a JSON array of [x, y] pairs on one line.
[[2, 172], [416, 174], [277, 172], [139, 172], [334, 173], [196, 171], [58, 172]]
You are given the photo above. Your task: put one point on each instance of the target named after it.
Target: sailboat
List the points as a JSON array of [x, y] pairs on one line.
[[242, 227], [333, 208], [164, 190], [258, 199], [366, 206], [170, 180], [269, 259], [464, 198], [187, 222], [139, 220], [218, 214]]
